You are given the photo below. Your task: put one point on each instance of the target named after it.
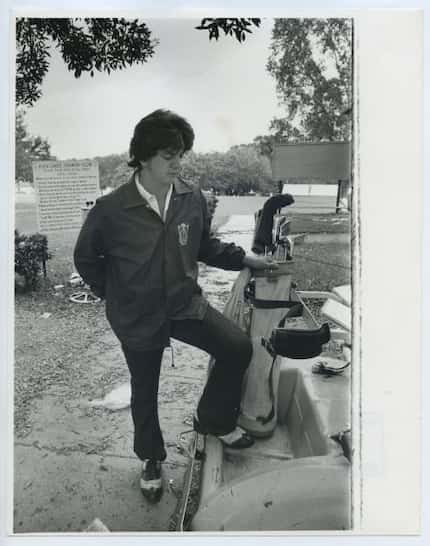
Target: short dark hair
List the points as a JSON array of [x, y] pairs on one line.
[[160, 130]]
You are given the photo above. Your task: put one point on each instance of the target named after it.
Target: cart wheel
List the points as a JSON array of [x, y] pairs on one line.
[[84, 297]]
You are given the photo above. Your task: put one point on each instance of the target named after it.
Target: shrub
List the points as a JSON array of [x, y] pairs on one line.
[[31, 254]]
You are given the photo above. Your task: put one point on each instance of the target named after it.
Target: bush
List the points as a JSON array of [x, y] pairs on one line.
[[31, 254]]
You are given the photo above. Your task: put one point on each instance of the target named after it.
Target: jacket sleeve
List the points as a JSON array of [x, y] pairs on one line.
[[215, 252], [88, 255]]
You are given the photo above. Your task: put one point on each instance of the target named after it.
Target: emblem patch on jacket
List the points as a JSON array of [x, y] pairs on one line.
[[183, 233]]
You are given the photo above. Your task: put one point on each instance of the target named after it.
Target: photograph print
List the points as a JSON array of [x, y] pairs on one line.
[[185, 234]]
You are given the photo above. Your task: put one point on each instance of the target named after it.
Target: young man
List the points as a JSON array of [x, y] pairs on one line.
[[138, 249]]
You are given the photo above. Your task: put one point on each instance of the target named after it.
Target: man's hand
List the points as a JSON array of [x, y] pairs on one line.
[[259, 262]]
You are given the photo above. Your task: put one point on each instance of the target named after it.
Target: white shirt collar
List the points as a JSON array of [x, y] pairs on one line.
[[151, 199]]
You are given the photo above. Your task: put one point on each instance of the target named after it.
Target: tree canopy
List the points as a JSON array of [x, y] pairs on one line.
[[93, 44], [85, 45], [239, 170], [311, 61], [231, 27], [28, 148]]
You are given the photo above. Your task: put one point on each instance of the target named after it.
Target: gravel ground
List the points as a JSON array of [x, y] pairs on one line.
[[50, 333]]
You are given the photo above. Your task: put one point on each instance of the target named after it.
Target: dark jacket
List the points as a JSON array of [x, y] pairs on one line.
[[145, 268]]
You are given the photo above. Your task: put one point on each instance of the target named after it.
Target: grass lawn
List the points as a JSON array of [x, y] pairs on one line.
[[320, 223], [319, 266]]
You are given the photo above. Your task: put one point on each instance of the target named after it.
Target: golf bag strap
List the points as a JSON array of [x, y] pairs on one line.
[[295, 307]]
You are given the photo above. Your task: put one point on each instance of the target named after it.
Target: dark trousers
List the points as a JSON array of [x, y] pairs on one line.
[[219, 405]]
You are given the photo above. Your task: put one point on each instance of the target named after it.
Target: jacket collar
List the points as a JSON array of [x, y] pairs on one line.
[[132, 197], [181, 186]]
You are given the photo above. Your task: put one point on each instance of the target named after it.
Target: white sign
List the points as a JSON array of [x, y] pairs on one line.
[[63, 188]]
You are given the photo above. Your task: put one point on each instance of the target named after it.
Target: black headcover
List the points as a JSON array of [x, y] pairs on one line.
[[263, 235]]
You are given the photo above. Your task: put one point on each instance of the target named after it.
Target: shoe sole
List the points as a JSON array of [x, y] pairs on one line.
[[152, 495], [152, 490]]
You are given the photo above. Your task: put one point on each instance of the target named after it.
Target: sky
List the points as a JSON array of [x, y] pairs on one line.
[[222, 88]]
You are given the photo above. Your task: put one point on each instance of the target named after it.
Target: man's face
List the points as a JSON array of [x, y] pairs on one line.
[[165, 166]]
